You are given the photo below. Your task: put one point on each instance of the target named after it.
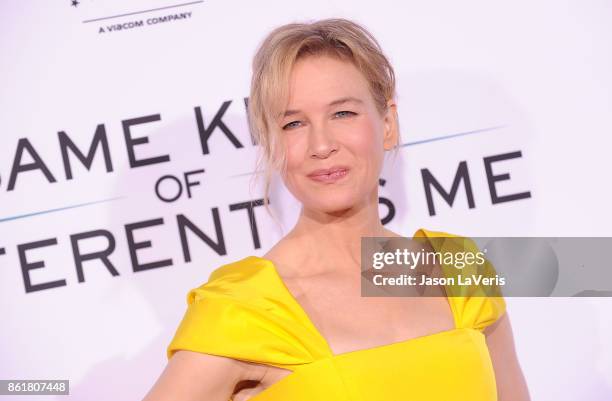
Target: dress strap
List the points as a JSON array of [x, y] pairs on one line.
[[241, 313], [474, 306]]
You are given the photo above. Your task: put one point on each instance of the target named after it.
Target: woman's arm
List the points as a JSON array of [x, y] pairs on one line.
[[193, 376], [511, 385]]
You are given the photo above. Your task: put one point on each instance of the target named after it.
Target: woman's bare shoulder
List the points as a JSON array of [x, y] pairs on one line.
[[392, 234], [285, 253]]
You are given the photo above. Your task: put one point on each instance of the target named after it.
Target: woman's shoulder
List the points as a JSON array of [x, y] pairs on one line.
[[239, 308], [476, 295], [243, 278]]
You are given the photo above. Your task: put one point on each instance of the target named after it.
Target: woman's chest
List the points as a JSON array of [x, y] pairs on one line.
[[349, 321]]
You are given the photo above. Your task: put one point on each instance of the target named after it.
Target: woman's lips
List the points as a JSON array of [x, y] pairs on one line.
[[331, 176]]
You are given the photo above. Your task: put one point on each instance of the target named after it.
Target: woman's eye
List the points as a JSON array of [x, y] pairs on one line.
[[290, 125], [295, 124], [345, 113]]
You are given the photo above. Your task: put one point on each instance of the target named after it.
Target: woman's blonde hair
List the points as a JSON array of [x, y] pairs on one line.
[[272, 65]]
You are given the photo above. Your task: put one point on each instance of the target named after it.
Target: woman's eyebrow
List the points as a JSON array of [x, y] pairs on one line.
[[347, 99], [342, 100]]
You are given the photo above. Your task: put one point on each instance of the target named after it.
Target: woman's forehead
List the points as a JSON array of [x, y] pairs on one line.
[[325, 82], [324, 71]]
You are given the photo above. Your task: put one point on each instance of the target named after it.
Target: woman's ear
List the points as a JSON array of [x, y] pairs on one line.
[[391, 130]]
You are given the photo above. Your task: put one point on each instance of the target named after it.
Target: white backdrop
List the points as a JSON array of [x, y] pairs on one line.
[[527, 81]]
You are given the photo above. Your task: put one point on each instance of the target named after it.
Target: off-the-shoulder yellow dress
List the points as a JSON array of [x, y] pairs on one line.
[[244, 311]]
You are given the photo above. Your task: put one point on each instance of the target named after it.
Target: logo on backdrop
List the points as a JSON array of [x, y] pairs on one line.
[[125, 18]]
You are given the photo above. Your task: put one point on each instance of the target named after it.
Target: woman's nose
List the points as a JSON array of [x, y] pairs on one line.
[[321, 143]]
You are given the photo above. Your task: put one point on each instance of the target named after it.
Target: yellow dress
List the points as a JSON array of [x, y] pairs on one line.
[[244, 311]]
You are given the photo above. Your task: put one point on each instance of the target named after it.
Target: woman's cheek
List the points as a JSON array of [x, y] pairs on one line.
[[292, 175]]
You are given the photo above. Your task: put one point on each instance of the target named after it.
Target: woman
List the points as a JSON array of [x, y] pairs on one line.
[[291, 325]]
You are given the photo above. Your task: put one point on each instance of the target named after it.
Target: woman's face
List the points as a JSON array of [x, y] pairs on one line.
[[332, 121]]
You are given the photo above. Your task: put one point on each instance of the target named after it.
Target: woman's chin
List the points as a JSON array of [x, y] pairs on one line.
[[332, 206]]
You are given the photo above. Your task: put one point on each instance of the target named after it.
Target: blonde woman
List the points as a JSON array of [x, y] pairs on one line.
[[291, 325]]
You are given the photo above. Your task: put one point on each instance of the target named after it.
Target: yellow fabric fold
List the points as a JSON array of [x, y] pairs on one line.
[[242, 312], [474, 306]]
